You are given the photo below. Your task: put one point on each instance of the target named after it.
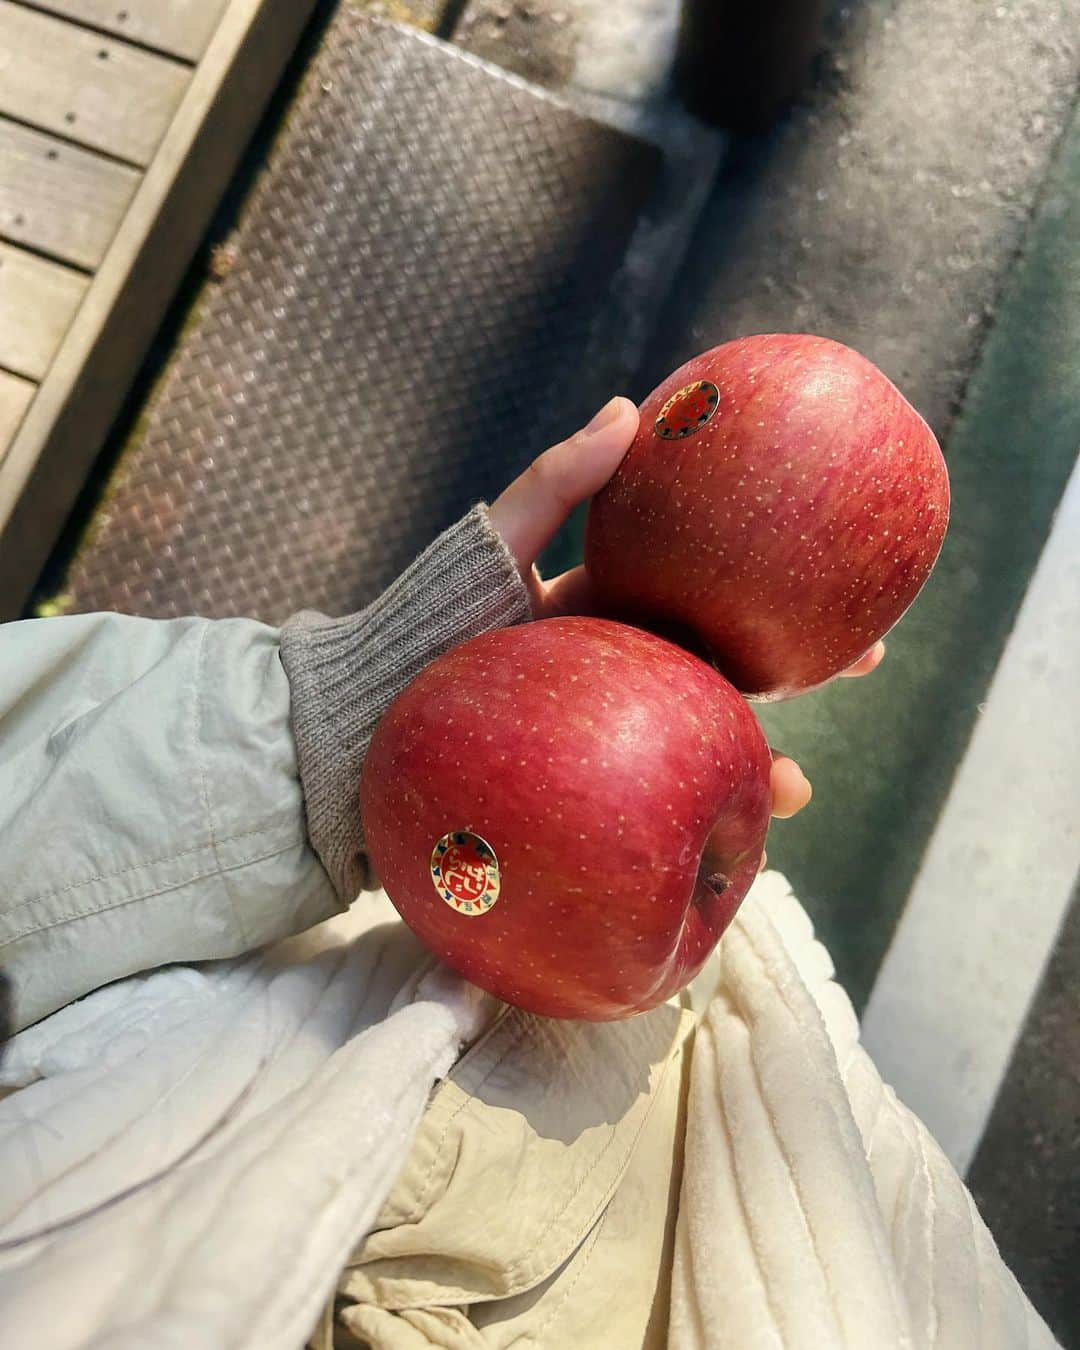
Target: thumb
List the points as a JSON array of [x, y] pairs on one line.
[[533, 507], [791, 789]]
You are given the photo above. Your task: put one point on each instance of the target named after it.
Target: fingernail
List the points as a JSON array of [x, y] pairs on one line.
[[607, 414]]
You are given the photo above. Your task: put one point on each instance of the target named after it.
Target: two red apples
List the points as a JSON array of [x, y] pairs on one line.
[[570, 812]]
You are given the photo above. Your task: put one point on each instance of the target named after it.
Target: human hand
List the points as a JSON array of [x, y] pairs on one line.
[[531, 510]]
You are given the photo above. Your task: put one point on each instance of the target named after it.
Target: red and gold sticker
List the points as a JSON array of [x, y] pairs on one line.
[[688, 410], [465, 872]]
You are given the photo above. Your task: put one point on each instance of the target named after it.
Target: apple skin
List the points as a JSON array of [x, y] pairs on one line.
[[791, 530], [611, 772]]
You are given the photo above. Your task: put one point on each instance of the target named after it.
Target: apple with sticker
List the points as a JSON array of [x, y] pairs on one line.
[[782, 501], [568, 813]]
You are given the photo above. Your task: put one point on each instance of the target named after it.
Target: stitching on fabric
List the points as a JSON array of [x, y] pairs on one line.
[[581, 1271], [934, 1311], [414, 1215], [973, 1223], [467, 1099], [597, 1161], [196, 750], [136, 867], [872, 1132], [303, 681], [751, 1231], [598, 1226], [520, 1269], [899, 1228], [149, 894], [796, 1188], [514, 1271]]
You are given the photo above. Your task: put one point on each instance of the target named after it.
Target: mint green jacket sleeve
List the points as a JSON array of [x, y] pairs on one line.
[[150, 804], [186, 790]]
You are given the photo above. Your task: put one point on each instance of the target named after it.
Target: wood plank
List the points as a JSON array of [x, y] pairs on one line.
[[61, 434], [38, 300], [92, 89], [182, 28], [16, 396], [59, 199]]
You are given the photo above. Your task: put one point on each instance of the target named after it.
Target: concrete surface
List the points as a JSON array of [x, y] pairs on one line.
[[535, 41], [622, 50], [1024, 1177], [886, 212], [995, 883]]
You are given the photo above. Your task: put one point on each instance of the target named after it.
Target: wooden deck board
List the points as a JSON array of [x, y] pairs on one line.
[[103, 94], [182, 28], [138, 249], [58, 199], [38, 300], [15, 397]]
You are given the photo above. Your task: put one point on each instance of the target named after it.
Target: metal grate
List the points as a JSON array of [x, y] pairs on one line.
[[420, 296]]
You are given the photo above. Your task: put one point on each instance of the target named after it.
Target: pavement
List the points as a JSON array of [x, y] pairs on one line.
[[1024, 1176]]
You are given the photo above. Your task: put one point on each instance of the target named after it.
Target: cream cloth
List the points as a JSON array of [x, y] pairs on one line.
[[537, 1206], [199, 1148], [810, 1208], [542, 1198], [815, 1209]]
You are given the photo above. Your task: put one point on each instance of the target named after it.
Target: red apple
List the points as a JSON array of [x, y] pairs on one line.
[[781, 500], [568, 813]]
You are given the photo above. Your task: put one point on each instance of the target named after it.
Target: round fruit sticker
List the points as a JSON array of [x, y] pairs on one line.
[[465, 872], [688, 410]]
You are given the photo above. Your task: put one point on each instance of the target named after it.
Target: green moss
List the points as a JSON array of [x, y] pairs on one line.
[[53, 608], [420, 13]]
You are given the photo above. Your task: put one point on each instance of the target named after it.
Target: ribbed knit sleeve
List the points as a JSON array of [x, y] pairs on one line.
[[344, 673]]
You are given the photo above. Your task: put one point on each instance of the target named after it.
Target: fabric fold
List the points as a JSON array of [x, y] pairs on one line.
[[205, 1158], [206, 1189], [816, 1211]]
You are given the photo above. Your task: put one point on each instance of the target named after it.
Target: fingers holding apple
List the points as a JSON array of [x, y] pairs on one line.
[[790, 787], [866, 663], [570, 593], [531, 510]]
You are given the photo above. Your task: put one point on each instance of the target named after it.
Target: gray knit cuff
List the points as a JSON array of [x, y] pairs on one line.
[[344, 673]]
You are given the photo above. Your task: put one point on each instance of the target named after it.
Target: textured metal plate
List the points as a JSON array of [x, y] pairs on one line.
[[419, 299]]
